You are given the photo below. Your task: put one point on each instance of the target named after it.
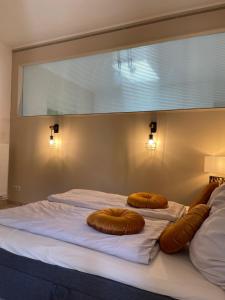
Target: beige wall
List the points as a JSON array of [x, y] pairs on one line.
[[5, 95], [107, 152]]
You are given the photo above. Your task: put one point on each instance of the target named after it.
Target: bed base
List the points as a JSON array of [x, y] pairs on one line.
[[22, 278]]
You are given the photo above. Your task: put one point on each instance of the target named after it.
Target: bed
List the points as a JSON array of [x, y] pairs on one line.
[[33, 267]]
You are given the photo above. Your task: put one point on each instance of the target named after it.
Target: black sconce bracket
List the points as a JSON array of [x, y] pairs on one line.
[[54, 128], [153, 127]]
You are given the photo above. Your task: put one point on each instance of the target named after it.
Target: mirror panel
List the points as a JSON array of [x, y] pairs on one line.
[[180, 74]]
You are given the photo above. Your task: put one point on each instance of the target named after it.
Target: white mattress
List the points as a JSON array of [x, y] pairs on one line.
[[171, 275]]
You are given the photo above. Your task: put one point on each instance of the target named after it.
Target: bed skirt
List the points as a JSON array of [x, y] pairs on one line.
[[22, 278]]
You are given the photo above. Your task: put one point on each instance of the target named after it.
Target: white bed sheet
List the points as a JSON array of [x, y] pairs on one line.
[[171, 275]]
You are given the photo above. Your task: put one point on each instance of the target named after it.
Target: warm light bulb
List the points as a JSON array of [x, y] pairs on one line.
[[51, 140], [151, 142]]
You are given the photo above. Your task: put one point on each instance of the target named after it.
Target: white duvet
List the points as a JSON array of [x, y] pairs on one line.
[[68, 223], [99, 200]]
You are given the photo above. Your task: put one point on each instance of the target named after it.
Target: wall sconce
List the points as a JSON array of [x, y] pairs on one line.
[[215, 165], [54, 129], [151, 140]]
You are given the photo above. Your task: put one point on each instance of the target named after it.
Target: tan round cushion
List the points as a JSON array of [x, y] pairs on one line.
[[116, 221], [175, 237], [147, 200]]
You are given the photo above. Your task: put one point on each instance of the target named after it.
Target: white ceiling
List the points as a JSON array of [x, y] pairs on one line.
[[27, 22]]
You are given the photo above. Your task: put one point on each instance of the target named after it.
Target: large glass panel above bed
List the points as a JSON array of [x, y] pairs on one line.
[[181, 74]]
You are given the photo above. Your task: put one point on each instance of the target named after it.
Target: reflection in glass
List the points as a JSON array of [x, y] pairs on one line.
[[182, 74]]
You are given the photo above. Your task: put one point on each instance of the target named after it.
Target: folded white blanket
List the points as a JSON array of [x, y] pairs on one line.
[[99, 200], [68, 224]]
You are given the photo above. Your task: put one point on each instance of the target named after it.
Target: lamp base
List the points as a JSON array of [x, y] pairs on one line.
[[219, 180]]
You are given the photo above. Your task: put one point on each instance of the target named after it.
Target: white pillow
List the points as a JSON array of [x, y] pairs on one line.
[[217, 199], [207, 249]]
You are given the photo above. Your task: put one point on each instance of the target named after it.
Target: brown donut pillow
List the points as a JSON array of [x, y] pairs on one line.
[[147, 200], [116, 221], [175, 237]]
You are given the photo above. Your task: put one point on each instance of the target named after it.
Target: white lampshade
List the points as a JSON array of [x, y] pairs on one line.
[[214, 164]]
